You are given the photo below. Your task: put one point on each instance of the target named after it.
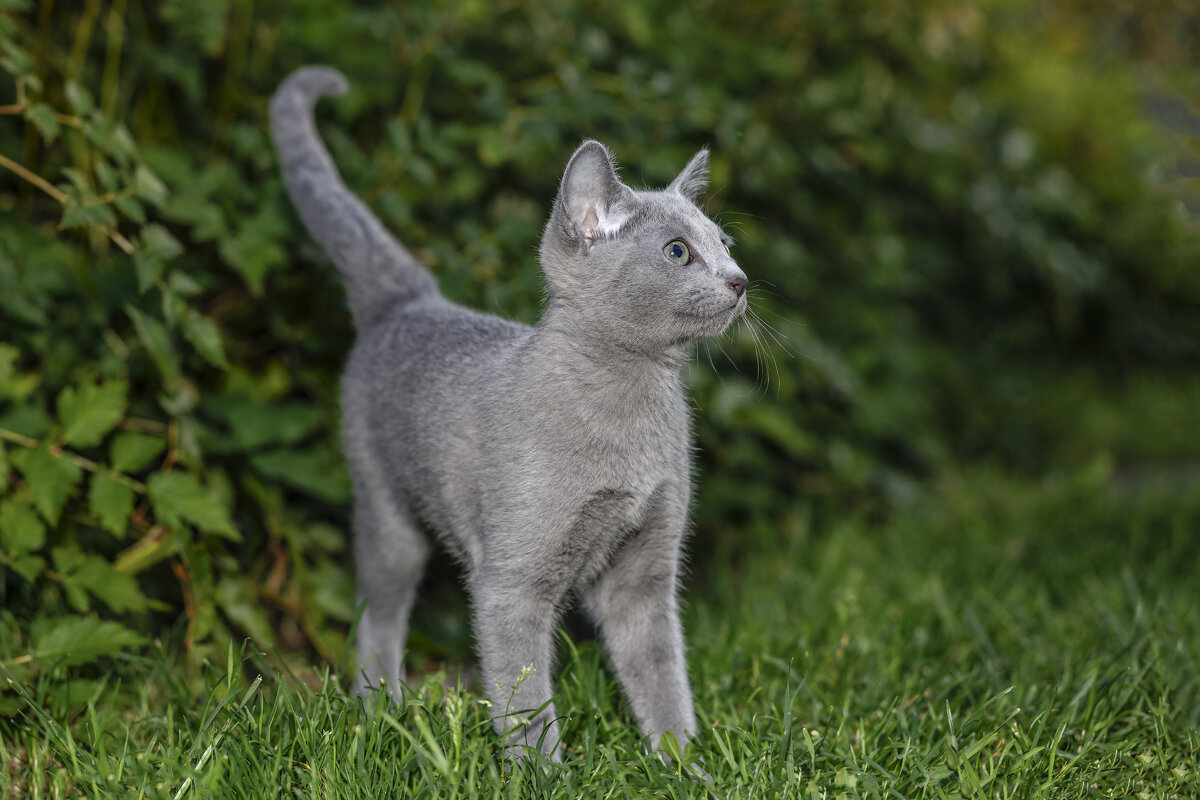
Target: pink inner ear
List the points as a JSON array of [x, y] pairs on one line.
[[589, 223], [594, 221]]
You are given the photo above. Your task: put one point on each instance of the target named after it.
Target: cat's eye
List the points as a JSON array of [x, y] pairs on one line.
[[678, 253], [727, 251]]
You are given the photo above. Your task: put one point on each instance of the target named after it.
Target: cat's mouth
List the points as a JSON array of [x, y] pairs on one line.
[[713, 322]]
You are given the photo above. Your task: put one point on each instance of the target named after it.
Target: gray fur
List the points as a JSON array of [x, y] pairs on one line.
[[376, 266], [553, 461]]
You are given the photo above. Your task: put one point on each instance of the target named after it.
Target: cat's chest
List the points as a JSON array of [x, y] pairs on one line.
[[600, 524], [637, 446], [620, 477]]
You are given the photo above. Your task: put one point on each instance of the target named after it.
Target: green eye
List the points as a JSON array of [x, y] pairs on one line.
[[678, 252]]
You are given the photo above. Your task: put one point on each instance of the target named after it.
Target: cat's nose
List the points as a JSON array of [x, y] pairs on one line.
[[738, 285]]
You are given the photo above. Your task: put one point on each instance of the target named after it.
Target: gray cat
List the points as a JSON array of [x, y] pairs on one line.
[[553, 461]]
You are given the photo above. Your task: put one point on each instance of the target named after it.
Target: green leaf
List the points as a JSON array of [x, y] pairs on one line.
[[43, 118], [88, 413], [85, 214], [670, 746], [149, 270], [21, 531], [15, 59], [253, 256], [158, 241], [81, 180], [131, 451], [330, 587], [79, 98], [8, 361], [148, 186], [28, 566], [184, 284], [77, 596], [117, 590], [204, 335], [205, 218], [111, 502], [178, 497], [131, 208], [157, 341], [237, 600], [67, 557], [320, 473], [106, 175], [254, 425], [3, 469], [173, 306], [70, 641], [50, 480]]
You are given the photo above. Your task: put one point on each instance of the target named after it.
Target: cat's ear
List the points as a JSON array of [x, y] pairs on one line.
[[594, 200], [694, 178]]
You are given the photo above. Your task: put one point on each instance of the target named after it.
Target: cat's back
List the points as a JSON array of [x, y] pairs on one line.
[[430, 331], [418, 375]]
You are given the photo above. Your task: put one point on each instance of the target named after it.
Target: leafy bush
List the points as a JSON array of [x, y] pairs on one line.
[[940, 222]]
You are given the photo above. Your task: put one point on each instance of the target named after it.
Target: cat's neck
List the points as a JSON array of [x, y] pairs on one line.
[[569, 348]]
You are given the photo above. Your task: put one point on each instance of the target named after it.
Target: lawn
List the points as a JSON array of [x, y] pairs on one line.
[[993, 638]]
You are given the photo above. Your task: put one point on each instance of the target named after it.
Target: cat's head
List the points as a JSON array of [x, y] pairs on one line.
[[647, 269]]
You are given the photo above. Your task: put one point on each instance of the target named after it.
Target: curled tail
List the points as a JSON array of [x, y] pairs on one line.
[[377, 268]]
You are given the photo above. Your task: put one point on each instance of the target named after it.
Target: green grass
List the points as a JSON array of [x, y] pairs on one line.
[[994, 639]]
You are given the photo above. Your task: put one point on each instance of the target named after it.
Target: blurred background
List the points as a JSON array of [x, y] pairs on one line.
[[966, 226]]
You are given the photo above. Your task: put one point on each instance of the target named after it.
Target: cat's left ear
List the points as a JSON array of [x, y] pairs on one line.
[[694, 178], [594, 200]]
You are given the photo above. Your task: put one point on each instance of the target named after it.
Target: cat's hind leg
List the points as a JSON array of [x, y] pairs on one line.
[[390, 554]]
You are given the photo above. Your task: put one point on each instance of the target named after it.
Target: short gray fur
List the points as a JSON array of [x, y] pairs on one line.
[[553, 461]]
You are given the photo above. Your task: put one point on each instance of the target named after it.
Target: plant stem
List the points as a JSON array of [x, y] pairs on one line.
[[57, 194], [77, 460], [35, 179]]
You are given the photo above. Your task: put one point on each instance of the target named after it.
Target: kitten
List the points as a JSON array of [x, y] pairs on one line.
[[553, 461]]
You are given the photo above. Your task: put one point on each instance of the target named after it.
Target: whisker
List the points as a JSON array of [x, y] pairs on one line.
[[762, 375], [743, 214], [761, 345], [758, 291], [712, 366], [776, 335], [727, 358]]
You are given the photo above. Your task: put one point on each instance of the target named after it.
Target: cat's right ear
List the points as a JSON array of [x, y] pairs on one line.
[[593, 200], [694, 178]]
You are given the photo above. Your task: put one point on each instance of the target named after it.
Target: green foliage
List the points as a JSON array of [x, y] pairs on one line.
[[87, 415], [180, 499], [111, 501], [77, 640], [20, 529], [49, 479], [953, 236]]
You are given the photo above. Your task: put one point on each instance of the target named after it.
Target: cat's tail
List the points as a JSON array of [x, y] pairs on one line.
[[377, 268]]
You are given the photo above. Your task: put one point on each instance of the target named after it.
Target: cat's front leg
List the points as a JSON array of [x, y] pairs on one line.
[[635, 605], [514, 629]]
